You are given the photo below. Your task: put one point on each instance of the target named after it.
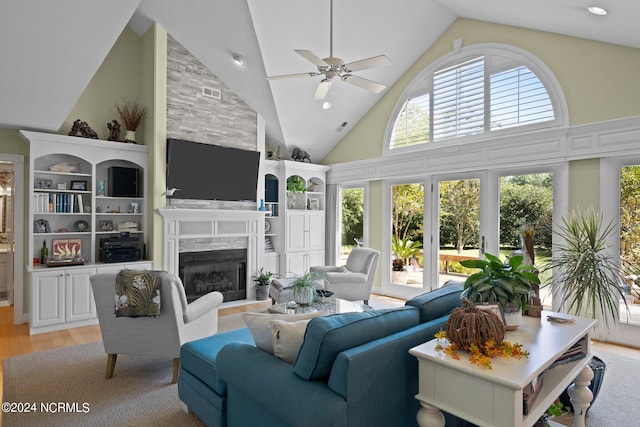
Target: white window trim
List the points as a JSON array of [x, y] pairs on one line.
[[624, 333], [542, 71]]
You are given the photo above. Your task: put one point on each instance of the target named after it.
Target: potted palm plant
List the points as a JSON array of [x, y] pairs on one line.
[[587, 278], [402, 250], [263, 281], [507, 284]]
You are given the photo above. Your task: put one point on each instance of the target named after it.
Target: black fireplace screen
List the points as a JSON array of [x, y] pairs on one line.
[[224, 271]]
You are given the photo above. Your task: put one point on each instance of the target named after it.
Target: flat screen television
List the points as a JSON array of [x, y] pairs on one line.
[[211, 172]]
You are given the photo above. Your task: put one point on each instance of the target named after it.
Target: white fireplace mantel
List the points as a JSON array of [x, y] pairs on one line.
[[184, 225]]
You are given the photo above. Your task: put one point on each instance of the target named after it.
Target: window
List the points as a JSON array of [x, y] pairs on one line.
[[475, 94], [458, 100]]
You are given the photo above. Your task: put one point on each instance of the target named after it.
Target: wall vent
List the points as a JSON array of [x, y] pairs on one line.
[[210, 92]]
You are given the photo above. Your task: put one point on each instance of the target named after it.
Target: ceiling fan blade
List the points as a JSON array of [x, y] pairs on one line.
[[290, 76], [322, 89], [363, 64], [311, 57], [363, 83]]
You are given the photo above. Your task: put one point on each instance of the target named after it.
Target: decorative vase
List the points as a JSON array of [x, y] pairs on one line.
[[262, 292], [130, 136], [512, 316], [303, 295], [399, 277]]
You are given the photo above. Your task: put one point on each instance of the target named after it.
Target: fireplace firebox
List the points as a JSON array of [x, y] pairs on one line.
[[223, 270]]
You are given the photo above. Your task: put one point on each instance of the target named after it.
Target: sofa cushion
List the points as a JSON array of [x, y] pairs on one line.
[[437, 303], [287, 338], [199, 357], [327, 336], [260, 326]]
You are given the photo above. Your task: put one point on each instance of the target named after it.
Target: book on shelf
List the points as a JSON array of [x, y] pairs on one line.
[[530, 393], [574, 353]]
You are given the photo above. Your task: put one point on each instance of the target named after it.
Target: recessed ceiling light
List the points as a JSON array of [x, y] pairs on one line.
[[597, 10], [326, 105], [239, 60]]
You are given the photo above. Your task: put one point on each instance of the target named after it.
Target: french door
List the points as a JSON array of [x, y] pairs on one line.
[[461, 216]]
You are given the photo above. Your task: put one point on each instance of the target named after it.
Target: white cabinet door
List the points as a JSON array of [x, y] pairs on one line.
[[47, 298], [296, 231], [296, 264], [315, 231], [315, 258], [80, 304]]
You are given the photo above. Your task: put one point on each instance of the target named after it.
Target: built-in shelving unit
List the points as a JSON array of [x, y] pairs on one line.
[[294, 224], [70, 211]]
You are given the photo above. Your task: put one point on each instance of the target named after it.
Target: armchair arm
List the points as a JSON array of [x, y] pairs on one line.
[[323, 269], [347, 277], [271, 383], [201, 306]]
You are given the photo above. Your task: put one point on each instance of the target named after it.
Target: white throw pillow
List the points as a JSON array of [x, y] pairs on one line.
[[288, 338], [260, 326]]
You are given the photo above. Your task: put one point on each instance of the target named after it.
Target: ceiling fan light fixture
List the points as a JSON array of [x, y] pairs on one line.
[[239, 60], [597, 10]]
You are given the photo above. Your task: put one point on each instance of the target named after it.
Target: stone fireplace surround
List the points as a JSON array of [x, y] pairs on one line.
[[193, 230]]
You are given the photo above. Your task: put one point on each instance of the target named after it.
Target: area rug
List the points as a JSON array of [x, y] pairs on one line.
[[69, 383]]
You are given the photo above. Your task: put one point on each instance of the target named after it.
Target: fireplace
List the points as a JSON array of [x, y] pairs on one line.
[[188, 231], [222, 270]]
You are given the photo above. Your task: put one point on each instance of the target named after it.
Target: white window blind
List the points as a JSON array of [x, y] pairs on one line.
[[412, 123], [479, 95], [458, 100], [518, 98]]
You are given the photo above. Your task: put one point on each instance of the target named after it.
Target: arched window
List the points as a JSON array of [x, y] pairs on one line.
[[476, 91]]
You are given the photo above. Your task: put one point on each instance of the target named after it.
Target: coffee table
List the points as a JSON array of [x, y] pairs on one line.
[[331, 305]]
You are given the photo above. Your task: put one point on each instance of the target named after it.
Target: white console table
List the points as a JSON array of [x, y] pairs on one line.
[[493, 397]]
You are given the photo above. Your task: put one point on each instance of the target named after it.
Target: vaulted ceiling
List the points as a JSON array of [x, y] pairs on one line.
[[51, 50]]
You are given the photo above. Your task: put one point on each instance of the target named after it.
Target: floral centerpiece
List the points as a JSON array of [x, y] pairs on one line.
[[479, 332]]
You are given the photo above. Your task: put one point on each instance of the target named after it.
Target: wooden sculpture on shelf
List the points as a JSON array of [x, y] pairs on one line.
[[114, 131], [82, 129], [300, 155]]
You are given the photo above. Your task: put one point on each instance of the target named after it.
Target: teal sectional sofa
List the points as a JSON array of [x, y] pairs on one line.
[[352, 369]]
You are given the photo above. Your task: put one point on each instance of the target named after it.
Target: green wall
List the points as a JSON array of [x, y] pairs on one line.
[[599, 80], [119, 76], [584, 184]]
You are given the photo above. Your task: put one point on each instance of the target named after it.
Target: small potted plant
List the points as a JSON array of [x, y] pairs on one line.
[[263, 281], [304, 288], [402, 250], [507, 284], [296, 187]]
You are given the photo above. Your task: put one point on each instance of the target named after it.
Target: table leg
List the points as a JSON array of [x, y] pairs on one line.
[[430, 416], [581, 396]]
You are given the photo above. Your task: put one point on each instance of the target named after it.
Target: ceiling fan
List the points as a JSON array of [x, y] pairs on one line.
[[332, 67]]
